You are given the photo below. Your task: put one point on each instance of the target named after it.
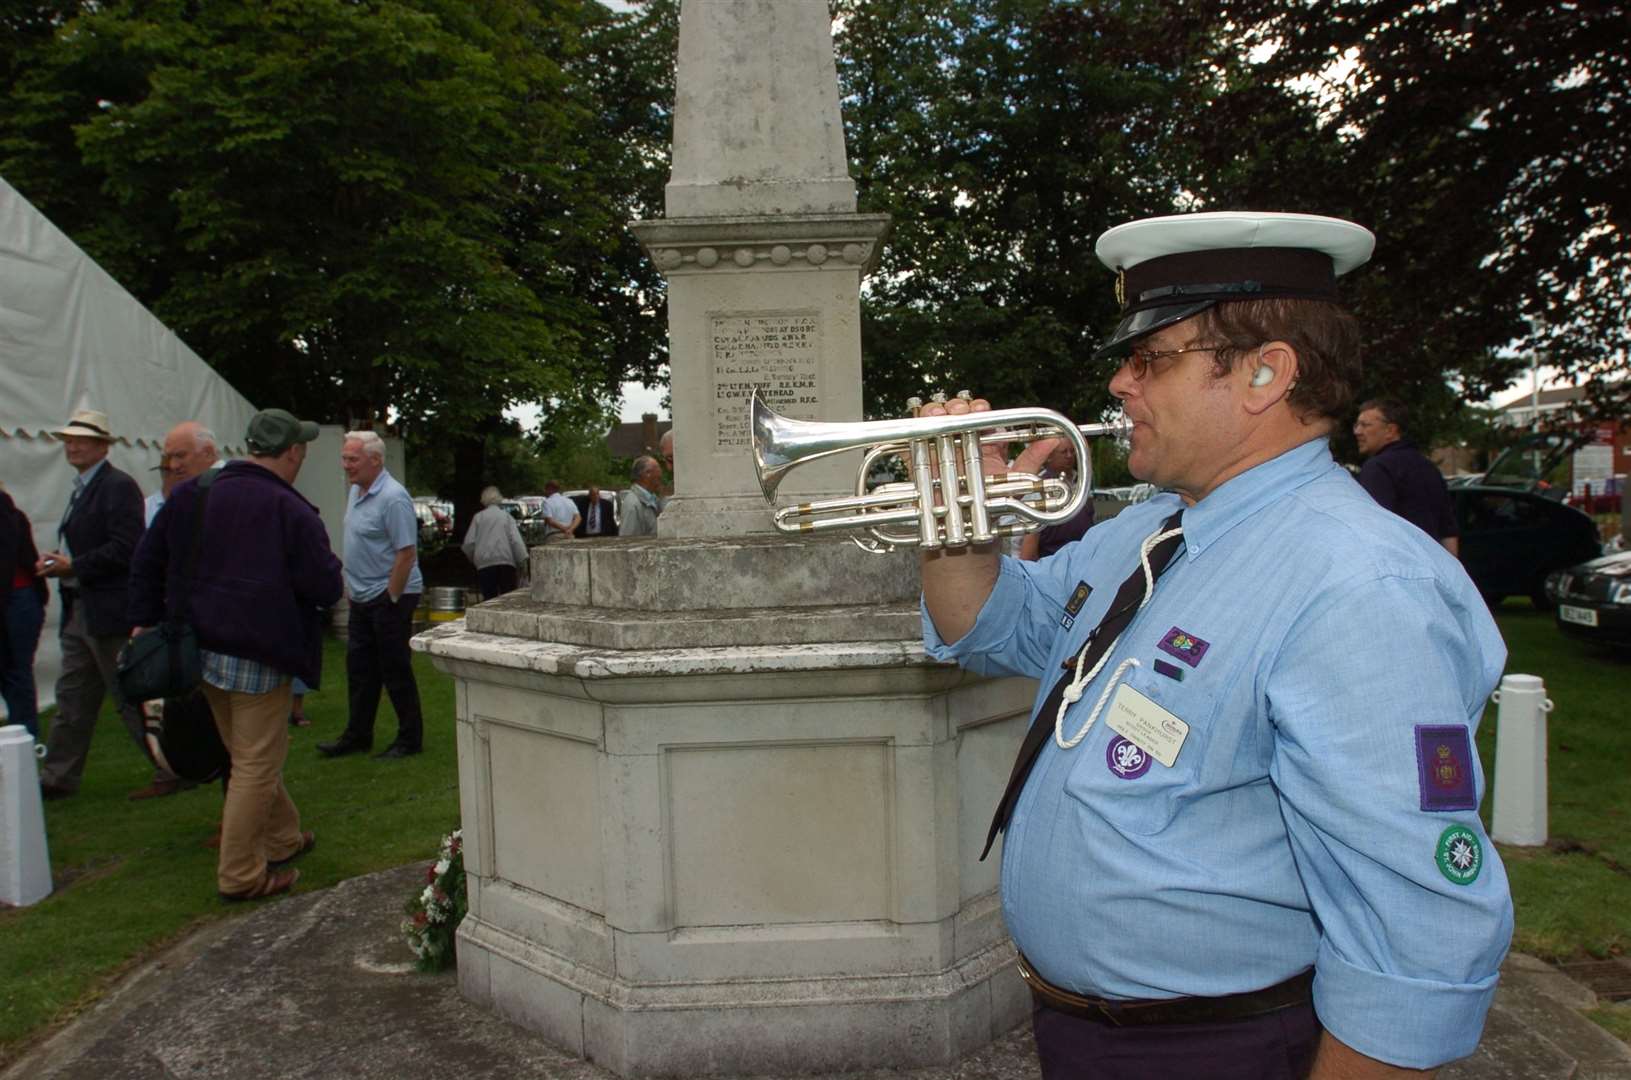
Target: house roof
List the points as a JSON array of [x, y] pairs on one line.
[[632, 438]]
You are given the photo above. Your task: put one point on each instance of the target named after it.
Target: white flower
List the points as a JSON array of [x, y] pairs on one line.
[[428, 895], [442, 865]]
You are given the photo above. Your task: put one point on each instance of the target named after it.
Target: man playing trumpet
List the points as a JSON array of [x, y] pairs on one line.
[[1242, 838]]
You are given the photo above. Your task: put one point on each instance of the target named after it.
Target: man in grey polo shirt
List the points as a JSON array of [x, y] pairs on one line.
[[383, 582]]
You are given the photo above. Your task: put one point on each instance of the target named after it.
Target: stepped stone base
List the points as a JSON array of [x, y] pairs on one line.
[[735, 835]]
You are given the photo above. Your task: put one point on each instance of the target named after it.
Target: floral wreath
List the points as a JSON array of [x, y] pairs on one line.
[[435, 912]]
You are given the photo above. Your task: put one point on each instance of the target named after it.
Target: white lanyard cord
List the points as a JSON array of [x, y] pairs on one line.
[[1078, 681]]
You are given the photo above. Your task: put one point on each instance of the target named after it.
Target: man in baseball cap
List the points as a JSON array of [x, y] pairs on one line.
[[262, 576], [272, 431], [1244, 824]]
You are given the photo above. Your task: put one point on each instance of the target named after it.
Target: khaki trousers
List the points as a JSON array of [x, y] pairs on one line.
[[259, 823]]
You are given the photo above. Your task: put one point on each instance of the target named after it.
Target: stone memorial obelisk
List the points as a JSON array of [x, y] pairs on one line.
[[763, 252], [721, 813]]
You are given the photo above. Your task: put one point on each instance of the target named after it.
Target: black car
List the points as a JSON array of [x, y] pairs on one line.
[[1515, 531], [1594, 598], [1511, 540]]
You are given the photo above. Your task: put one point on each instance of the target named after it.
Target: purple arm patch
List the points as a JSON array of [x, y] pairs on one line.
[[1444, 767]]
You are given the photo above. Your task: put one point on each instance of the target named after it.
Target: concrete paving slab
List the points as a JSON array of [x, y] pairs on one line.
[[321, 985]]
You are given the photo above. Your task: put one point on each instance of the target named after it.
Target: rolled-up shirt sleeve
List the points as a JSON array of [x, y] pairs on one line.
[[1411, 943], [1022, 623]]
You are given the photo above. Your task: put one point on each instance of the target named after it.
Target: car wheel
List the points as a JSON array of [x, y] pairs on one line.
[[1538, 597]]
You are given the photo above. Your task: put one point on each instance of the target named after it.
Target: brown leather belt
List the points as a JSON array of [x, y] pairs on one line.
[[1297, 990]]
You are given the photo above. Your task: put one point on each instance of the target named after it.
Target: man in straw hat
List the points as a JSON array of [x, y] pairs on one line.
[[98, 533], [1242, 835]]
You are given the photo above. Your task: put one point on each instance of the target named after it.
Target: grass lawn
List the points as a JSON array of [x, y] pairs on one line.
[[1573, 896], [130, 877]]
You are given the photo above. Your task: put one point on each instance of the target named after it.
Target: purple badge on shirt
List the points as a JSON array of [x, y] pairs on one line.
[[1185, 646], [1126, 759], [1444, 767]]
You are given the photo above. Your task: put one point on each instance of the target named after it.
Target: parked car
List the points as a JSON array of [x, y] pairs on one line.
[[1511, 540], [1594, 599], [434, 523], [533, 529], [1515, 529]]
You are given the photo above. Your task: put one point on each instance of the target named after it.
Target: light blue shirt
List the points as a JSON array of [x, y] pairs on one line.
[[379, 522], [1317, 632]]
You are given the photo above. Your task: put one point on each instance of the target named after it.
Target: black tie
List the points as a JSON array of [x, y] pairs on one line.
[[1116, 617]]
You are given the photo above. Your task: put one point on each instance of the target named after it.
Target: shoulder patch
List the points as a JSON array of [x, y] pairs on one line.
[[1460, 855], [1444, 768]]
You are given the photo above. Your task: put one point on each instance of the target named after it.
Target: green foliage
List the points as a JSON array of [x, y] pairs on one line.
[[1002, 136], [1484, 143], [131, 877], [1484, 147], [411, 209]]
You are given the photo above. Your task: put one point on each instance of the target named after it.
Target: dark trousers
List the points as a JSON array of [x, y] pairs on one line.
[[19, 638], [89, 674], [377, 654], [495, 580], [1275, 1046]]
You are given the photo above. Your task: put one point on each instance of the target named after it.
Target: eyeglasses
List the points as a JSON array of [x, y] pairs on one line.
[[1139, 360]]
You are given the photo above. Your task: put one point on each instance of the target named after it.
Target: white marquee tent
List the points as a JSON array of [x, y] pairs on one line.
[[71, 337]]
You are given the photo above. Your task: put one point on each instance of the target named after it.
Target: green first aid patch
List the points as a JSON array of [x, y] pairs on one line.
[[1460, 855]]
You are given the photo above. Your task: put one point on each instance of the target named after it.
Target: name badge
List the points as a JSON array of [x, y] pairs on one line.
[[1141, 721]]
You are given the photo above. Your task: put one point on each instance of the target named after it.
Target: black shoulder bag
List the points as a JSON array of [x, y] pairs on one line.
[[165, 662]]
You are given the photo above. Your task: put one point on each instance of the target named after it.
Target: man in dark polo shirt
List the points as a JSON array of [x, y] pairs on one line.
[[1400, 477]]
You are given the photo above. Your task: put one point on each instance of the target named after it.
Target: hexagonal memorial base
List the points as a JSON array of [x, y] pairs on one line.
[[731, 840]]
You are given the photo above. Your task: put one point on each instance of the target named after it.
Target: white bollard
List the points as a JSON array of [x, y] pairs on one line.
[[1520, 761], [25, 868]]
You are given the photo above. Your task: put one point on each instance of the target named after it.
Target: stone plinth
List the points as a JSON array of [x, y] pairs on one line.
[[740, 837], [772, 303]]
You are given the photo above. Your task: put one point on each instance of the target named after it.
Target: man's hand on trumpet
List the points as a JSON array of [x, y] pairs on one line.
[[992, 460], [957, 580]]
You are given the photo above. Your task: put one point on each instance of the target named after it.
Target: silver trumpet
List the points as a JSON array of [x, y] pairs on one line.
[[949, 500]]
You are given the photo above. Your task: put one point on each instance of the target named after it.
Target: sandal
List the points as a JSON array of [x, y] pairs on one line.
[[273, 884], [298, 720]]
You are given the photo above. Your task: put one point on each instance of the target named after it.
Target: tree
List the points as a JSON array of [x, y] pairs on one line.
[[409, 212], [1486, 144], [1003, 136]]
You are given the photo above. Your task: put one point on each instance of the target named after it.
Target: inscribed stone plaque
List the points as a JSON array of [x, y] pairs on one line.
[[777, 351]]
